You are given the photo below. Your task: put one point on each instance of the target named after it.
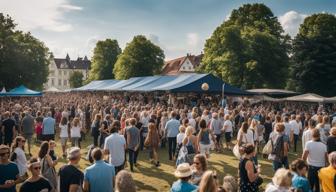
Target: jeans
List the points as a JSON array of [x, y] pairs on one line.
[[163, 143], [279, 164], [313, 178], [296, 138], [132, 157], [171, 147], [75, 141], [119, 168], [102, 140], [143, 135], [95, 140]]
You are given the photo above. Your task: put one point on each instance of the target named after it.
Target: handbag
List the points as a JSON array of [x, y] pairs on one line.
[[236, 151], [49, 173], [182, 155], [259, 181], [267, 148]]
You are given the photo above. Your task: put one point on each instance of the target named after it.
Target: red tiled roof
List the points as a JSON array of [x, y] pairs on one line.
[[173, 66]]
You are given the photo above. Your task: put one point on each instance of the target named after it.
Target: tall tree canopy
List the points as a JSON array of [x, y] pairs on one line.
[[140, 58], [248, 50], [23, 58], [314, 58], [76, 79], [105, 55]]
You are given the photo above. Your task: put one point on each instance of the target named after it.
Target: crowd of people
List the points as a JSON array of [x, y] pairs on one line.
[[120, 126]]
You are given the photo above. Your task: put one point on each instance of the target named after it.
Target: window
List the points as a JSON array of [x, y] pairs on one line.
[[52, 82], [65, 82], [59, 73], [183, 68], [59, 82], [65, 72], [189, 68], [52, 73]]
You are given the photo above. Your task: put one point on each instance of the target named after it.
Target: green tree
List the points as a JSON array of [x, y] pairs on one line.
[[76, 79], [248, 50], [23, 58], [140, 58], [105, 55], [314, 55]]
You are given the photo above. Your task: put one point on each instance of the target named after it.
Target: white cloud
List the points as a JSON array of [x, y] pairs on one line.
[[192, 39], [39, 14], [291, 21]]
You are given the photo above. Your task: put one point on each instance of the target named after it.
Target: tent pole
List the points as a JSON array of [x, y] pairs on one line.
[[223, 87]]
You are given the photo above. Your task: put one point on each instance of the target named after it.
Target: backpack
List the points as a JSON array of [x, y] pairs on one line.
[[277, 147]]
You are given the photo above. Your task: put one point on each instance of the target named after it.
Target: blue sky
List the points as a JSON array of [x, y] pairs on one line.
[[177, 26]]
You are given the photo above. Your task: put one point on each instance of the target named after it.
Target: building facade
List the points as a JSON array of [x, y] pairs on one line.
[[61, 69], [186, 64]]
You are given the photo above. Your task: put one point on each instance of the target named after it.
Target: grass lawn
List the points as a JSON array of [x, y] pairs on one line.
[[150, 178]]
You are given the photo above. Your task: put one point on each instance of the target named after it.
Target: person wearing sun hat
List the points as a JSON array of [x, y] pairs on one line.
[[183, 172]]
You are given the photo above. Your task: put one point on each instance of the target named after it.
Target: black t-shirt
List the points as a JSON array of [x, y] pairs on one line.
[[331, 144], [69, 175], [37, 186], [8, 124]]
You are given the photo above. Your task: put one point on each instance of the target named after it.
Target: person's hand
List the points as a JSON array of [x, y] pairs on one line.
[[259, 169], [9, 183]]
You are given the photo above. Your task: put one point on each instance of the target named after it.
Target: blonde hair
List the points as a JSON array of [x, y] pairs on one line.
[[230, 184], [282, 178], [208, 182], [182, 129], [333, 131], [75, 121], [189, 131]]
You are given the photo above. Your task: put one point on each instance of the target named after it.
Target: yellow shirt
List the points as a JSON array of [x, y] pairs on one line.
[[326, 176]]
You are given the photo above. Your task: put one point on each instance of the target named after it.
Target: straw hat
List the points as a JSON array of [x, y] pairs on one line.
[[183, 170]]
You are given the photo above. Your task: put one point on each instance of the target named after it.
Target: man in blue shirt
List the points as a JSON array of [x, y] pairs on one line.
[[171, 131], [99, 176], [48, 131]]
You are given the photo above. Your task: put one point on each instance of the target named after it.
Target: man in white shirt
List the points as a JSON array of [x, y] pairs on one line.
[[288, 129], [316, 155], [115, 146], [297, 127], [228, 128]]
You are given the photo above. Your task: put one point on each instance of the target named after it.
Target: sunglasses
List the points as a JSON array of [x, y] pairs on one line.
[[23, 141], [3, 154], [37, 168], [196, 163]]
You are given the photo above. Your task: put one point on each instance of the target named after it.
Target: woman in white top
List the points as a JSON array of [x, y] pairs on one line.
[[192, 121], [19, 157], [245, 135], [163, 122], [64, 134], [307, 134], [180, 135], [75, 132], [315, 153]]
